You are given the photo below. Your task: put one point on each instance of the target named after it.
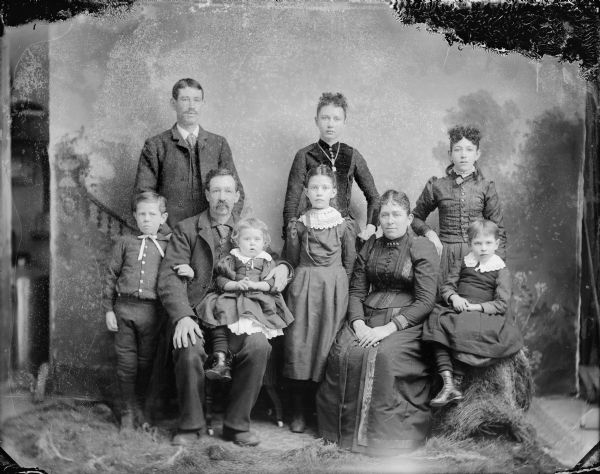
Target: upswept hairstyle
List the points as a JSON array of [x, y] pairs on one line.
[[459, 132], [391, 196], [320, 170], [250, 223], [218, 172], [187, 82], [329, 98], [149, 196], [482, 227]]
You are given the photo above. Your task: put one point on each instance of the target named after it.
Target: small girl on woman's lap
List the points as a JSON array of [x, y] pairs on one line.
[[244, 302], [321, 245], [474, 328]]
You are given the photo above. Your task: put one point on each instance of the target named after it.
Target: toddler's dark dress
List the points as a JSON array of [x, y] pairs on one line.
[[245, 312]]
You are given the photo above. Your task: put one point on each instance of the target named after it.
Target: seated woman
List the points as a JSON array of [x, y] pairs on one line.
[[375, 395]]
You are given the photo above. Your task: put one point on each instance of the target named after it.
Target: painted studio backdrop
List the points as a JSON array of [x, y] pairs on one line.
[[263, 68]]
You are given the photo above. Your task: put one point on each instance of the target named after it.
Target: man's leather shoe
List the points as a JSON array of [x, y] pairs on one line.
[[185, 438], [220, 368], [298, 424], [241, 438]]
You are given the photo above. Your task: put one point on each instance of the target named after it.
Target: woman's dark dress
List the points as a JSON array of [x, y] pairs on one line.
[[376, 400], [476, 338]]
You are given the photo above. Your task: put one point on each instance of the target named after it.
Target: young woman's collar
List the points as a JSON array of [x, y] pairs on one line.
[[326, 146], [476, 173]]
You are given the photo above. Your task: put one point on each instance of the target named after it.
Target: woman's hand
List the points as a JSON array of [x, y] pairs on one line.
[[360, 328], [435, 240], [459, 303], [184, 270], [372, 336]]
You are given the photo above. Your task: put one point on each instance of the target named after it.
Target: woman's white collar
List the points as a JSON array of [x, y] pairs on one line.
[[236, 253], [494, 263], [322, 218]]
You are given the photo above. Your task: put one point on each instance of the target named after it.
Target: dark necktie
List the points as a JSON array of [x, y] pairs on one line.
[[224, 231], [191, 141]]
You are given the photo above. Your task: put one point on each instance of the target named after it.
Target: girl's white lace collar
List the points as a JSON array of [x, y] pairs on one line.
[[236, 253], [494, 263], [321, 218]]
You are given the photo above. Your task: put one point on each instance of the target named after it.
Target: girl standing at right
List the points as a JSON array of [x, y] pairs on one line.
[[321, 245], [462, 196]]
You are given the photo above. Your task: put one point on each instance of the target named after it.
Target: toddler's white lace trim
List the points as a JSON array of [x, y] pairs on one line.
[[322, 218], [494, 263], [237, 253], [250, 326]]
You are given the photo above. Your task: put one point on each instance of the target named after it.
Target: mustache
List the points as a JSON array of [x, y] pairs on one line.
[[223, 203]]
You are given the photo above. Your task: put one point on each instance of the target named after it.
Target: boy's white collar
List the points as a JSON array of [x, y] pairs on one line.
[[236, 253], [494, 263], [322, 218]]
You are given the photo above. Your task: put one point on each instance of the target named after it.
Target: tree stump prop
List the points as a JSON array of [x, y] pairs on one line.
[[494, 404]]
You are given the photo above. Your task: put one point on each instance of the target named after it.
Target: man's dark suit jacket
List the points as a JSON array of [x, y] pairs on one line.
[[166, 167]]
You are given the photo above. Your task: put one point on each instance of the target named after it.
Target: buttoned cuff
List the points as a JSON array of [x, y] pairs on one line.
[[447, 298], [401, 322], [290, 270], [355, 317]]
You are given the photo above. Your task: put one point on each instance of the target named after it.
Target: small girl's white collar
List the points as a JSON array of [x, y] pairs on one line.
[[494, 263], [236, 253], [322, 218]]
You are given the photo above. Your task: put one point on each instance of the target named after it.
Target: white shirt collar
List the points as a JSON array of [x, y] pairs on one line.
[[494, 263], [184, 133], [236, 253]]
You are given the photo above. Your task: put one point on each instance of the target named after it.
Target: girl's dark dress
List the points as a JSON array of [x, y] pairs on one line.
[[376, 400], [321, 247], [474, 337]]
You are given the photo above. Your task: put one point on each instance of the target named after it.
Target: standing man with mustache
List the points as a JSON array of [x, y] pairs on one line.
[[200, 242], [175, 163]]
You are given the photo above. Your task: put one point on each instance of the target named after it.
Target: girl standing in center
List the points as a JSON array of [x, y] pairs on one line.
[[321, 245]]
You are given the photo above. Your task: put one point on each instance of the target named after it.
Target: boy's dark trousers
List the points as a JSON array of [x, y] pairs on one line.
[[139, 323]]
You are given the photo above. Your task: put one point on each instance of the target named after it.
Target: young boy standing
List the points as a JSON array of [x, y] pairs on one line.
[[131, 303]]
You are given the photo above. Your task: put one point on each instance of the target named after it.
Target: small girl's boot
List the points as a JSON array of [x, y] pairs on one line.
[[448, 393]]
